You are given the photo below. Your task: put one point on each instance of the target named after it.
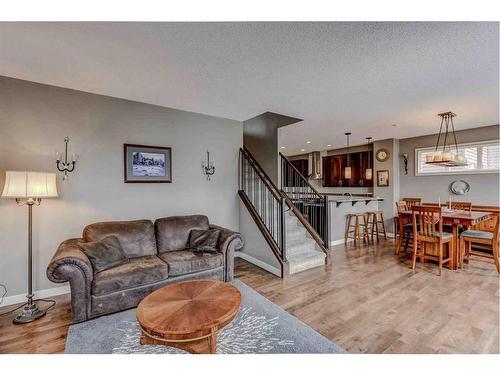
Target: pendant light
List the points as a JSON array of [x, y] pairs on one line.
[[369, 170], [347, 170], [446, 156]]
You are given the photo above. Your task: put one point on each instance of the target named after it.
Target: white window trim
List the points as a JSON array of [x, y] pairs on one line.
[[481, 171]]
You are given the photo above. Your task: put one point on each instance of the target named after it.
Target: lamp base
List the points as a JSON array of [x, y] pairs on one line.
[[30, 313]]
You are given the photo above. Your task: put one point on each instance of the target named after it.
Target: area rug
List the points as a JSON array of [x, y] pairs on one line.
[[260, 327]]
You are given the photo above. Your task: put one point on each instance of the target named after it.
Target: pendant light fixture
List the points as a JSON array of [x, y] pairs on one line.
[[369, 170], [446, 155], [347, 170]]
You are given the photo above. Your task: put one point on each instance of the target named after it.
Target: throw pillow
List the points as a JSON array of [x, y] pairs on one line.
[[104, 254], [204, 241]]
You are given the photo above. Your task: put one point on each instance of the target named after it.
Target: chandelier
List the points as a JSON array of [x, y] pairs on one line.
[[446, 155]]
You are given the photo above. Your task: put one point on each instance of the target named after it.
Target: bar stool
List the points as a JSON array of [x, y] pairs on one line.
[[358, 229], [376, 224]]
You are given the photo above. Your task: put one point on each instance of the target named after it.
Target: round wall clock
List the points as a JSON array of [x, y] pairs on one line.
[[382, 154]]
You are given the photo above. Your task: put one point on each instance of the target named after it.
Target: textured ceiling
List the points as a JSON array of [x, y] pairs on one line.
[[358, 77]]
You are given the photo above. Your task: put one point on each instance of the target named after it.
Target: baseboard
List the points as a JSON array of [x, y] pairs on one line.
[[44, 293], [341, 241], [258, 263]]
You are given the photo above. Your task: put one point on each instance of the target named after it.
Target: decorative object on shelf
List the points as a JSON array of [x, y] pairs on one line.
[[209, 168], [382, 154], [65, 166], [29, 188], [369, 170], [383, 178], [347, 170], [448, 155], [405, 161], [459, 187], [147, 163]]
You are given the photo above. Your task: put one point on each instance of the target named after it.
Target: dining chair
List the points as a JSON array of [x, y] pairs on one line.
[[428, 232], [412, 202], [407, 228], [469, 237], [461, 206]]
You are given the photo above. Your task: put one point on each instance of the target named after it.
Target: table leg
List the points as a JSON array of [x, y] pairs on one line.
[[400, 239], [454, 249]]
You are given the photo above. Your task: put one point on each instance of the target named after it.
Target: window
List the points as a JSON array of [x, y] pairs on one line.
[[482, 157]]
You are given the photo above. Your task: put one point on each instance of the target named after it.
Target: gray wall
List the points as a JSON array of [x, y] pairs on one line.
[[35, 119], [260, 137], [390, 193], [255, 245], [484, 187]]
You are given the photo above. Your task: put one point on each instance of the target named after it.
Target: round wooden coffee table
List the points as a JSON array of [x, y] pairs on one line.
[[188, 315]]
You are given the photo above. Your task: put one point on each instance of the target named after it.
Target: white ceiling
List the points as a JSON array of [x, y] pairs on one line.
[[358, 77]]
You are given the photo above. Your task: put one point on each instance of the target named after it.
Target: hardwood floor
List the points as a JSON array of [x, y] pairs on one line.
[[368, 301]]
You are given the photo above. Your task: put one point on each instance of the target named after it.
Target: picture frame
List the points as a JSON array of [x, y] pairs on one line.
[[147, 164], [383, 178]]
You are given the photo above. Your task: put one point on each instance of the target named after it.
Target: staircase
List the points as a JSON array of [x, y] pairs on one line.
[[303, 252], [288, 229]]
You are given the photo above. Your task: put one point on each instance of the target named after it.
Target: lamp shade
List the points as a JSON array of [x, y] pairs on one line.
[[29, 185], [347, 172]]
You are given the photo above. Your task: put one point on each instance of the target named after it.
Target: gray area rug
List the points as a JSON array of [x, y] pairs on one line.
[[260, 327]]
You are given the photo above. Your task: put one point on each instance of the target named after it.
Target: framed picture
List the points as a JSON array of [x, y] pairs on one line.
[[147, 163], [383, 178]]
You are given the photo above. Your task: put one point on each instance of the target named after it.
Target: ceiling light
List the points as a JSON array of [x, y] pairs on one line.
[[328, 145], [282, 147], [347, 170], [308, 142], [302, 149], [369, 170], [446, 156]]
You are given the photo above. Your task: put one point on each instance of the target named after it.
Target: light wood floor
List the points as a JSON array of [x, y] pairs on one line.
[[368, 301]]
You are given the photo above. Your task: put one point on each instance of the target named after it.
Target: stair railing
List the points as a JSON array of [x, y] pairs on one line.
[[265, 203], [310, 207]]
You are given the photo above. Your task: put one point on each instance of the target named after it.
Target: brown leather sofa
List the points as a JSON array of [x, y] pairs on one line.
[[157, 257]]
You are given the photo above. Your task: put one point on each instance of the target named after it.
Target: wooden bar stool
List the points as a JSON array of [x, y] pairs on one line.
[[358, 229], [376, 224]]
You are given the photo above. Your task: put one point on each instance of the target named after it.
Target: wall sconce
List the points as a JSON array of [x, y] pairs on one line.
[[209, 168], [405, 160], [65, 166]]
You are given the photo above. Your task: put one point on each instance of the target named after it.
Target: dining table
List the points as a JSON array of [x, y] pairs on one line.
[[454, 218]]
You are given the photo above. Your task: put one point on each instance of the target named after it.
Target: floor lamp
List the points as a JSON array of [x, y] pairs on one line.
[[28, 188]]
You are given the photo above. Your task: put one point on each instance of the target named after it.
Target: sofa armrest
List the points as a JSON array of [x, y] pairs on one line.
[[229, 242], [70, 263]]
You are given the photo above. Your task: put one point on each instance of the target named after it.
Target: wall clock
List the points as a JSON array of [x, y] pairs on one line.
[[382, 154]]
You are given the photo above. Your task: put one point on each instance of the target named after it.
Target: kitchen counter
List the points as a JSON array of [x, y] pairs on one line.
[[340, 206]]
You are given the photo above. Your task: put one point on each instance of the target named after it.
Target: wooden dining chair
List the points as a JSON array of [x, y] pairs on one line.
[[428, 233], [407, 228], [461, 206], [469, 237], [412, 202]]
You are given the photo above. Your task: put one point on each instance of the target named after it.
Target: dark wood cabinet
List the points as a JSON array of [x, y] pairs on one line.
[[334, 170]]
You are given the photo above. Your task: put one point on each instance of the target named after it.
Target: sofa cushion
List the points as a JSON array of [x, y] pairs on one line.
[[204, 240], [186, 261], [136, 237], [104, 254], [172, 233], [137, 272]]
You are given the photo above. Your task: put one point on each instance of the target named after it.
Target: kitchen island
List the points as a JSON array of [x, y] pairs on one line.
[[341, 205]]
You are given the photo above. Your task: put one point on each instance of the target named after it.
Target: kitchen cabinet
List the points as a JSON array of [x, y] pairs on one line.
[[334, 170]]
